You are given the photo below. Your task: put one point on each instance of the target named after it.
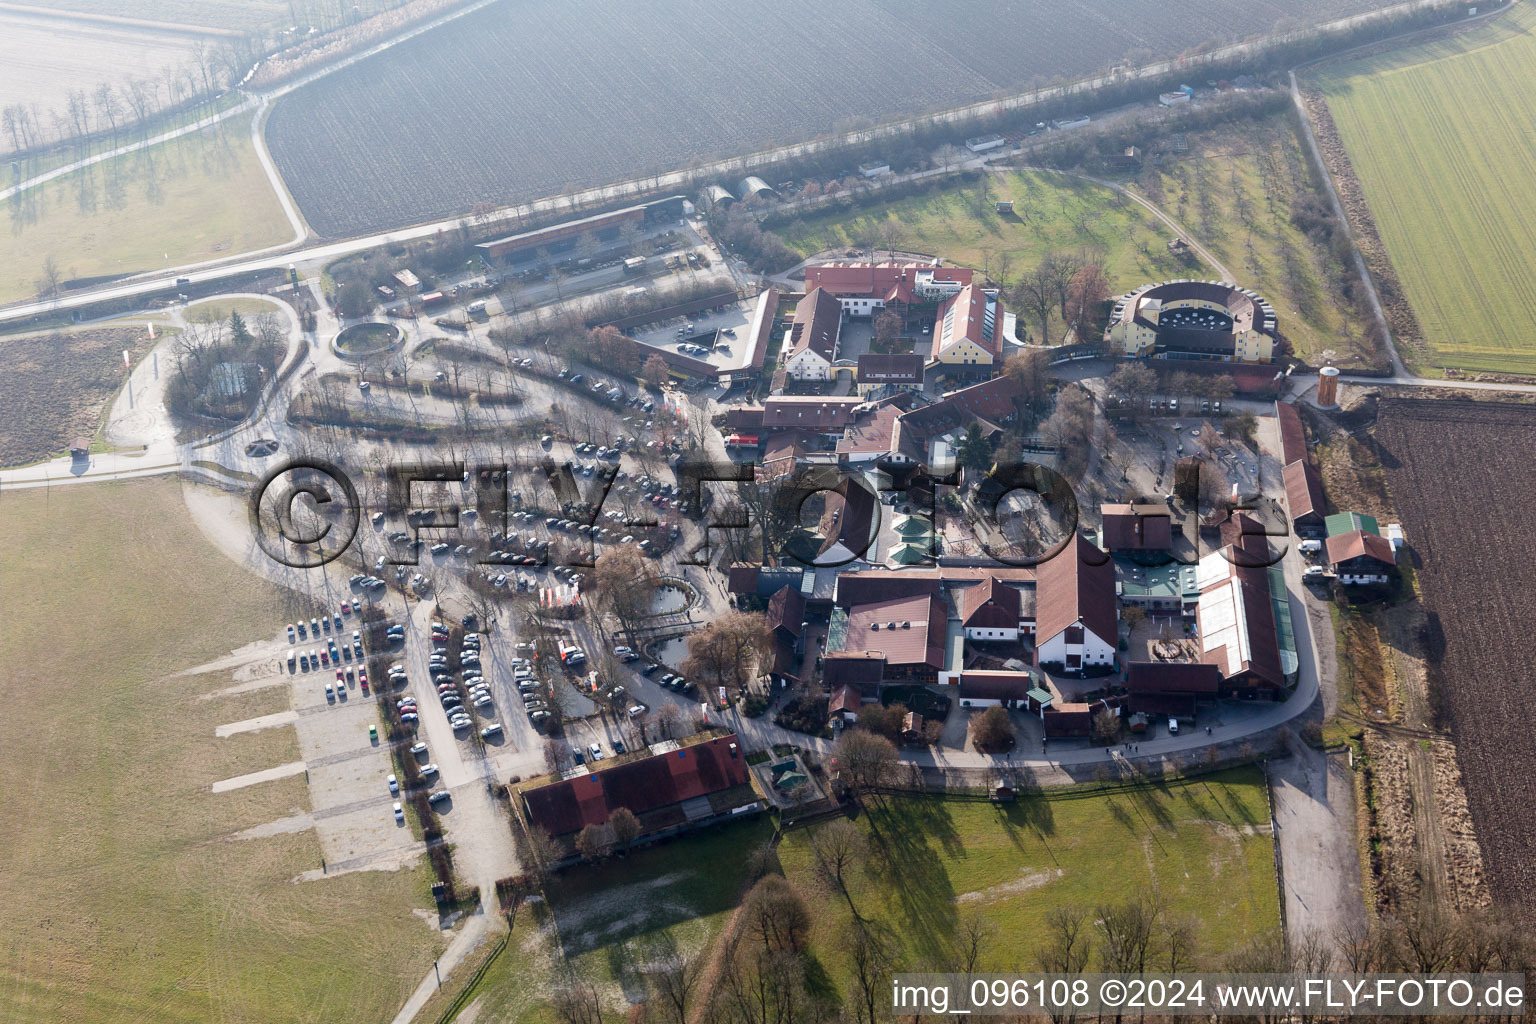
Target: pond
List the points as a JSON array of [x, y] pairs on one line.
[[672, 652], [671, 596]]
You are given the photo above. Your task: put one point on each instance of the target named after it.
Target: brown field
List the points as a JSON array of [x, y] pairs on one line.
[[56, 386], [1460, 473]]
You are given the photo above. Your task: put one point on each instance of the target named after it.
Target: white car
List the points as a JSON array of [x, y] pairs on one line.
[[399, 812], [394, 784], [596, 752]]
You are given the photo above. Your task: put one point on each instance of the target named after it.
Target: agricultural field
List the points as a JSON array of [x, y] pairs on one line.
[[57, 386], [1052, 212], [1439, 136], [195, 198], [1235, 191], [130, 892], [42, 57], [241, 15], [1455, 469], [586, 93], [1190, 847]]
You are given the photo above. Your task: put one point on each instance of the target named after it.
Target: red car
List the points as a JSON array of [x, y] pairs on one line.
[[341, 677]]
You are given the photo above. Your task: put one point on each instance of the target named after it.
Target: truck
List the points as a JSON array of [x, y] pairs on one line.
[[431, 299], [634, 265]]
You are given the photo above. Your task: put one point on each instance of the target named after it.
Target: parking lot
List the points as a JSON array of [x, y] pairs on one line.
[[732, 349]]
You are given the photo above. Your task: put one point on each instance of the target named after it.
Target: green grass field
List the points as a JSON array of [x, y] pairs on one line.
[[195, 198], [1200, 849], [1052, 212], [1235, 191], [123, 897], [1443, 140], [611, 919]]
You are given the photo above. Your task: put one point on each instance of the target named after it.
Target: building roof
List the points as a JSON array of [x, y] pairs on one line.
[[845, 698], [996, 685], [1346, 547], [852, 668], [786, 610], [1236, 616], [818, 319], [1303, 490], [851, 518], [866, 585], [872, 429], [990, 402], [1172, 677], [907, 630], [1349, 522], [991, 604], [890, 368], [1137, 527], [824, 413], [888, 282], [1077, 585], [1293, 437], [970, 316], [643, 785]]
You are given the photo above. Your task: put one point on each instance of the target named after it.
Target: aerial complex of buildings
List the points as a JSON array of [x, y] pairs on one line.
[[894, 607]]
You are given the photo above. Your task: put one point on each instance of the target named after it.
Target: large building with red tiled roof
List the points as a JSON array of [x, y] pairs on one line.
[[908, 633], [864, 288], [1077, 615], [813, 336], [991, 610], [668, 792], [968, 329]]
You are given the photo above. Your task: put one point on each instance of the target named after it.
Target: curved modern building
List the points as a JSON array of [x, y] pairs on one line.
[[1193, 320]]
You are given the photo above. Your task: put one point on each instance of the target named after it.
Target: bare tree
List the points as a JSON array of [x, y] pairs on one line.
[[774, 913], [839, 847], [624, 826], [594, 842], [871, 958]]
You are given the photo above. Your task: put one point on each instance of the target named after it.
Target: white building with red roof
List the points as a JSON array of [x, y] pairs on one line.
[[864, 288]]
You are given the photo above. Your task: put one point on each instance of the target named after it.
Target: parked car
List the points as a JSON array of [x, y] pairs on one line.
[[399, 812], [393, 783]]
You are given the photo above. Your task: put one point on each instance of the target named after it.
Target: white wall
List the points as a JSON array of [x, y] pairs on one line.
[[1093, 650], [989, 633]]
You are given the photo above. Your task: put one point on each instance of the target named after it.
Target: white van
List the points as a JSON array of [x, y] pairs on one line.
[[1310, 547]]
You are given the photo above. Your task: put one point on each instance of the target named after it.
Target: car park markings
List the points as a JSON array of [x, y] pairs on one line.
[[282, 771], [257, 724]]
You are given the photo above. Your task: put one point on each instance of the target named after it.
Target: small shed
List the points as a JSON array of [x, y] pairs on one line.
[[1002, 793], [1004, 206], [80, 447]]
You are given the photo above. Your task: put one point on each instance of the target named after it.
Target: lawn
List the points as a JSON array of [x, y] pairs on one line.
[[610, 919], [1440, 136], [194, 198], [124, 896], [1052, 212], [1235, 191], [1200, 849]]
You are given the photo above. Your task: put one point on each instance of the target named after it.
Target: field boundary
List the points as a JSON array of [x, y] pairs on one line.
[[453, 1008]]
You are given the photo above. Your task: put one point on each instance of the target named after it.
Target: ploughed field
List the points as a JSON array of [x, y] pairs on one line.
[[529, 99], [1460, 472]]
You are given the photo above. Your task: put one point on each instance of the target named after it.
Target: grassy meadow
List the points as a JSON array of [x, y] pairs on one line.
[[198, 197], [1201, 850], [126, 894], [1442, 137]]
